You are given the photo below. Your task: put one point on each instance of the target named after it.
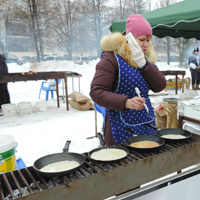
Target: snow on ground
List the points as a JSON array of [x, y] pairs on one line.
[[43, 133]]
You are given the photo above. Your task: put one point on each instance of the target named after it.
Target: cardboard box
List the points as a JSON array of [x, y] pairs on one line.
[[161, 112]]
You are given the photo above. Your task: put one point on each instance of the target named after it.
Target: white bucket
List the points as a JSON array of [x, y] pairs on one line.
[[7, 153], [52, 84], [25, 108], [9, 109], [41, 106]]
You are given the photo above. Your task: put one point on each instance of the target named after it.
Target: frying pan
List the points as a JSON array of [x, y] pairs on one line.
[[107, 147], [52, 158], [140, 138], [171, 131]]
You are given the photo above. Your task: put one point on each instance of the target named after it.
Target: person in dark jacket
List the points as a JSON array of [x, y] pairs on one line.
[[194, 62], [4, 94], [123, 67]]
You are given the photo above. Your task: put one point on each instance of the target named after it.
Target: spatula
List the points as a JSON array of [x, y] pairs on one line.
[[145, 105]]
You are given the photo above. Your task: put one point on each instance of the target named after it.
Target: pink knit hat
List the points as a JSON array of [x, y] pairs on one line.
[[138, 25]]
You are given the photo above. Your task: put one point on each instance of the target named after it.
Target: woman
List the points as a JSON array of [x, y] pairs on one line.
[[194, 62], [123, 67]]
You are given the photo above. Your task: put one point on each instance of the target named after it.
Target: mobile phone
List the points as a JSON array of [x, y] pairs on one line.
[[130, 38]]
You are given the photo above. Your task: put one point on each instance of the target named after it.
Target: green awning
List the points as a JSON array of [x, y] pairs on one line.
[[177, 20]]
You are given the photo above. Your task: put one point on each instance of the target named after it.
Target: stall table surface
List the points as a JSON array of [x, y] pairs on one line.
[[30, 76]]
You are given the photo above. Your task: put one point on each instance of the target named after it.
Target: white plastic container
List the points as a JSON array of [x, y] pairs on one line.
[[25, 108], [41, 106], [7, 153], [9, 109], [192, 111]]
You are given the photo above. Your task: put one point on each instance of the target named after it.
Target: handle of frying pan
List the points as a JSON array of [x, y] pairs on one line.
[[155, 128], [100, 136], [66, 147], [133, 134]]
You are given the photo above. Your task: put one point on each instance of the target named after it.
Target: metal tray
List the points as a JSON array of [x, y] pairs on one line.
[[171, 100]]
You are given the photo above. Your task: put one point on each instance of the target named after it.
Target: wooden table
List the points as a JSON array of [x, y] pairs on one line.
[[176, 73], [15, 77], [197, 71]]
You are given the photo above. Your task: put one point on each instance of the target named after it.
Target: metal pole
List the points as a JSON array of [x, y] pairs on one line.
[[63, 90], [79, 86], [1, 193], [95, 122], [182, 83], [57, 92], [72, 84], [66, 92]]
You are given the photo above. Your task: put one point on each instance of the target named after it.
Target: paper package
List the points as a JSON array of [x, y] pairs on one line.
[[167, 117]]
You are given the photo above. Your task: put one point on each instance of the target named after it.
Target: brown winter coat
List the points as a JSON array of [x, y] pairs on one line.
[[106, 77]]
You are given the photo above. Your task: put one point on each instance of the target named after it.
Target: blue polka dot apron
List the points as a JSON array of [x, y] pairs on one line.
[[129, 78]]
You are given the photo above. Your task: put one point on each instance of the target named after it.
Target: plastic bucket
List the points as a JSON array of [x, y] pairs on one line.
[[52, 84], [9, 109], [41, 106], [25, 108], [7, 153]]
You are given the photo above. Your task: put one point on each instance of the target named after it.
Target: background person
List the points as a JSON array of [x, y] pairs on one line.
[[194, 62], [120, 70], [4, 94]]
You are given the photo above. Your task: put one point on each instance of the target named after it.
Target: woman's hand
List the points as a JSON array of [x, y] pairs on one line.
[[136, 51], [135, 103]]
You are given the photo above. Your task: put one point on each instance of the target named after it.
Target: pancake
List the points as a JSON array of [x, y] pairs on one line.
[[171, 136], [144, 144], [108, 154], [60, 166]]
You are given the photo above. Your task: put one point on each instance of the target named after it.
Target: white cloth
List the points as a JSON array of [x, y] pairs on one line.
[[136, 51], [195, 101], [195, 126]]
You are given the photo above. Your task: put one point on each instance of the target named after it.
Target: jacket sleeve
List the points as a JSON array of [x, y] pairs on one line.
[[154, 77], [104, 84]]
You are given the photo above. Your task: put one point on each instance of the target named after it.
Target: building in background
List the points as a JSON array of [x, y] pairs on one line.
[[13, 36]]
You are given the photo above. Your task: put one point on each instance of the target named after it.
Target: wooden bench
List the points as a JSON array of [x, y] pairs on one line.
[[176, 73], [173, 84]]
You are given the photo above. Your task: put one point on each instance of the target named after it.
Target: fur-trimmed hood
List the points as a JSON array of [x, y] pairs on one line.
[[117, 44]]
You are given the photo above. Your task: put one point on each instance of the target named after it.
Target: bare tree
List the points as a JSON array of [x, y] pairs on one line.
[[5, 18], [131, 7], [33, 13], [63, 24], [166, 42], [95, 12]]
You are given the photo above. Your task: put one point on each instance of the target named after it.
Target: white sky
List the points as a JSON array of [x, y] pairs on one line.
[[154, 2], [43, 133]]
